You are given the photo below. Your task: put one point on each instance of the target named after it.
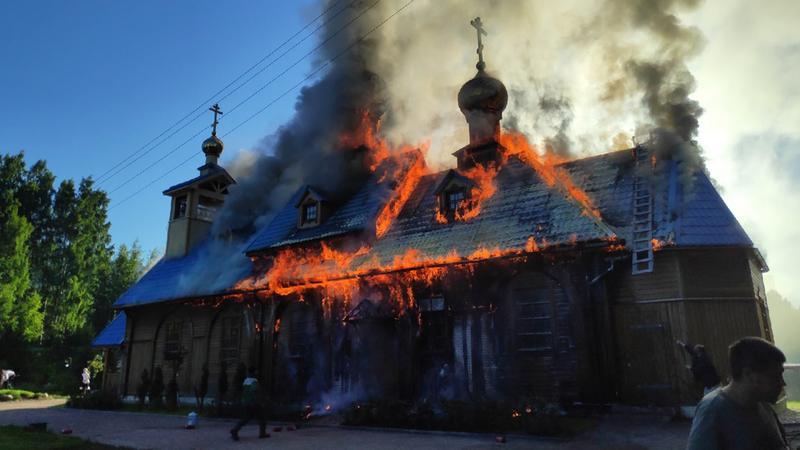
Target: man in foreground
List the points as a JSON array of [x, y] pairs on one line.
[[739, 416], [252, 401]]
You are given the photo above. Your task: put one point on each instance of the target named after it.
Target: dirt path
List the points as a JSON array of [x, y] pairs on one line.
[[143, 430]]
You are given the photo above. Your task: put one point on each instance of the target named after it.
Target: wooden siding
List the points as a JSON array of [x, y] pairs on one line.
[[663, 282], [544, 356], [716, 273], [717, 304]]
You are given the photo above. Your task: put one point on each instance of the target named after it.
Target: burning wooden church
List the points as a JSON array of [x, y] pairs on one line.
[[512, 275]]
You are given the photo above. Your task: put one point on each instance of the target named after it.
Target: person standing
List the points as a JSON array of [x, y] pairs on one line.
[[86, 379], [739, 416], [5, 378], [702, 367], [253, 403]]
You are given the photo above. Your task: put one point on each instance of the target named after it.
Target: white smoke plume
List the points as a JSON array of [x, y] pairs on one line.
[[582, 78]]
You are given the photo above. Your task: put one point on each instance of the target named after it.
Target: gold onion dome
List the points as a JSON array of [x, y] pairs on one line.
[[213, 146], [483, 93]]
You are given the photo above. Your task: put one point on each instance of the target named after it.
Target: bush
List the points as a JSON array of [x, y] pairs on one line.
[[172, 393], [143, 387], [222, 388], [95, 400], [238, 381], [157, 387], [201, 390]]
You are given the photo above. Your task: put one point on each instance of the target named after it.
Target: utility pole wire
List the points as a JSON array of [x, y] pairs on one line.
[[105, 175], [291, 66], [331, 60]]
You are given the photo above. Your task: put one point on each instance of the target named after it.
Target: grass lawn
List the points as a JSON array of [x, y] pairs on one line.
[[21, 394], [17, 438], [794, 405]]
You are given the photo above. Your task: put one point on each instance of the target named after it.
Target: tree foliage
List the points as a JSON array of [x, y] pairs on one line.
[[59, 273], [784, 317]]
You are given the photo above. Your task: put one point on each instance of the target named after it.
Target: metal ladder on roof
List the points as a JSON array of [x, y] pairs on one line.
[[642, 261]]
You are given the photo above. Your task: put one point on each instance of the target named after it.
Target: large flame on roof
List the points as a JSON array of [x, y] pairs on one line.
[[340, 268], [547, 166]]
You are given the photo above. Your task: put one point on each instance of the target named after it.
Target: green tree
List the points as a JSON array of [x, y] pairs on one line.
[[19, 304], [126, 267], [784, 317], [82, 255]]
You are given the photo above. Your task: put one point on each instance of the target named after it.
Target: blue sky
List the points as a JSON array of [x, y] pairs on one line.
[[86, 83]]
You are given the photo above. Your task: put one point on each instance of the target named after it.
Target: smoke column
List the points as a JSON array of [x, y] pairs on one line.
[[583, 77]]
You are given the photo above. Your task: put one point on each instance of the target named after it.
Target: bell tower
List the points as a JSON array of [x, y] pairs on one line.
[[195, 202]]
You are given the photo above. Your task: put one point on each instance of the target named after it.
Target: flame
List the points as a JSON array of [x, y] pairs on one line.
[[406, 184], [547, 167], [658, 244], [483, 177], [335, 271]]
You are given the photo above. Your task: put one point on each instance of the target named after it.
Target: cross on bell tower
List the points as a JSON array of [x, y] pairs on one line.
[[476, 22], [216, 111], [213, 146]]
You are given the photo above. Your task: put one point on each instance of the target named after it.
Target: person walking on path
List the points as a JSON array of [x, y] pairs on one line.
[[739, 416], [253, 403]]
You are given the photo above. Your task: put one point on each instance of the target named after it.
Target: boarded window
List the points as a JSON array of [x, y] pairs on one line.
[[231, 331], [172, 340], [534, 321]]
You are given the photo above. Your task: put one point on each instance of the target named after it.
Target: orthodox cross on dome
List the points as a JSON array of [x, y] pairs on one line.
[[476, 22], [217, 111]]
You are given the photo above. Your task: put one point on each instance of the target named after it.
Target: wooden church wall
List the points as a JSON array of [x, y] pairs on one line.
[[702, 297]]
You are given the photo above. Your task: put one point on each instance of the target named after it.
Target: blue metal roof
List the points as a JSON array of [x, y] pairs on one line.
[[176, 278], [356, 214], [685, 213], [113, 335]]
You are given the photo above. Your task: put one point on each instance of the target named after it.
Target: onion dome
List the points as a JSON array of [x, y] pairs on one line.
[[213, 146], [483, 93]]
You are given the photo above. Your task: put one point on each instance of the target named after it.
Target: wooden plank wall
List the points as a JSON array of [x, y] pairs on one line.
[[545, 356], [200, 340], [699, 296]]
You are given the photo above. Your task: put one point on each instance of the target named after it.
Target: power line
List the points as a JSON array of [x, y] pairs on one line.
[[331, 60], [298, 61], [105, 175]]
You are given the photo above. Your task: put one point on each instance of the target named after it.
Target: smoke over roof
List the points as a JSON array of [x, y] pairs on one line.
[[584, 77]]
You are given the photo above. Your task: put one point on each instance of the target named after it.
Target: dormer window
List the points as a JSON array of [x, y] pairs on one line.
[[310, 209], [455, 198], [310, 213]]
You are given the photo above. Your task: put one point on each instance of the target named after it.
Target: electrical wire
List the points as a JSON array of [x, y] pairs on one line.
[[108, 173], [312, 74]]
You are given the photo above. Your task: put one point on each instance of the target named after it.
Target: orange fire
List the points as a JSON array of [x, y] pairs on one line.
[[658, 244], [337, 272], [406, 182], [547, 167], [483, 177]]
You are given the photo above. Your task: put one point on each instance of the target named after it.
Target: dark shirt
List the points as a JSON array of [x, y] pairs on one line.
[[703, 370], [722, 424]]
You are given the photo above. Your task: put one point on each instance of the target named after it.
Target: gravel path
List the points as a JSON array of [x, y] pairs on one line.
[[143, 430]]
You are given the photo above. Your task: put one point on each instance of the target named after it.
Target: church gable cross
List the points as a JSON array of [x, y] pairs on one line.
[[476, 22], [216, 111]]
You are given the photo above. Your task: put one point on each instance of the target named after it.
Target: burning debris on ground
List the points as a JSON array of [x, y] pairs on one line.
[[358, 277]]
